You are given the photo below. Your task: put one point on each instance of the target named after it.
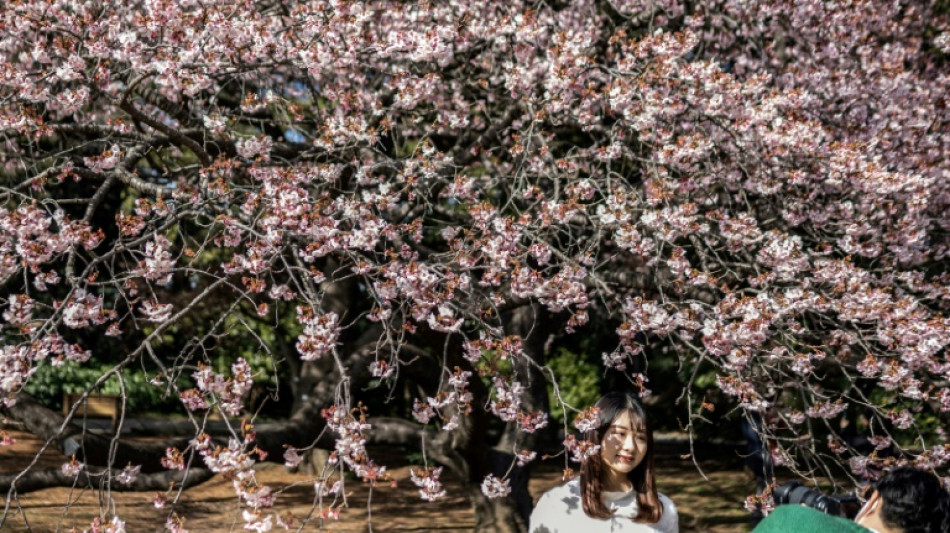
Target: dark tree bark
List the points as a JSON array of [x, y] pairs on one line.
[[512, 514], [465, 451], [31, 480], [91, 448], [99, 451]]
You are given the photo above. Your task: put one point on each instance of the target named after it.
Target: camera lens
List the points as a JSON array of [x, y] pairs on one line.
[[781, 494], [796, 494]]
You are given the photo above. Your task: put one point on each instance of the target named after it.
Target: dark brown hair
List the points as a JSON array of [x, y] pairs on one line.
[[649, 508]]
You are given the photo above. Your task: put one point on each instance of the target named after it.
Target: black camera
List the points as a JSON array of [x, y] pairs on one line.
[[798, 494]]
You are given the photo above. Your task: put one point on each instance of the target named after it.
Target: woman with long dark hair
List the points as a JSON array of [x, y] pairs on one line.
[[616, 491]]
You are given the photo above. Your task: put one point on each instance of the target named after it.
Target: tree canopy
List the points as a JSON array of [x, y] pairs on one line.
[[341, 198]]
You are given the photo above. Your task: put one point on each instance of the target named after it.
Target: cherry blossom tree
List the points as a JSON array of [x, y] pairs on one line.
[[440, 192]]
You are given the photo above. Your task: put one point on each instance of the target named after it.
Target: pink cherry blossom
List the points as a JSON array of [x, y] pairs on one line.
[[128, 474], [493, 487], [430, 488]]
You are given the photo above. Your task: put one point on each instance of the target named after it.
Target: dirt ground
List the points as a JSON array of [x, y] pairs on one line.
[[713, 504]]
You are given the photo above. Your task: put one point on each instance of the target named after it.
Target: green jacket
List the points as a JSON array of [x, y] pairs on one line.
[[801, 519]]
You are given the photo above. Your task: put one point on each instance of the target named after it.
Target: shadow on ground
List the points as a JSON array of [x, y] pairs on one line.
[[712, 504]]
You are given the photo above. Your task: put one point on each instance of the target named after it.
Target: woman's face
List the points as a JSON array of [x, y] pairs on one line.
[[624, 445]]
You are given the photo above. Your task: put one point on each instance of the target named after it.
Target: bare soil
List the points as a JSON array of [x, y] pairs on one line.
[[713, 504]]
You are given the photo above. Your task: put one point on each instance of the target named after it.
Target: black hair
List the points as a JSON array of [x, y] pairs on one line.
[[914, 501]]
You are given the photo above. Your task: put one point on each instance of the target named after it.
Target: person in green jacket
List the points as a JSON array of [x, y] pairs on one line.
[[905, 500]]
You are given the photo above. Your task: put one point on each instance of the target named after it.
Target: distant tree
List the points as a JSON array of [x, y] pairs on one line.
[[437, 193]]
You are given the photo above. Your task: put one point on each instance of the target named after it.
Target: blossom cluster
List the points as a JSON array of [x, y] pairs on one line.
[[229, 393], [350, 447], [430, 488]]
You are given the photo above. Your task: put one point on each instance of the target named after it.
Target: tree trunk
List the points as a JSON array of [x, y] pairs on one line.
[[534, 326], [31, 480], [90, 448], [305, 428], [495, 516]]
